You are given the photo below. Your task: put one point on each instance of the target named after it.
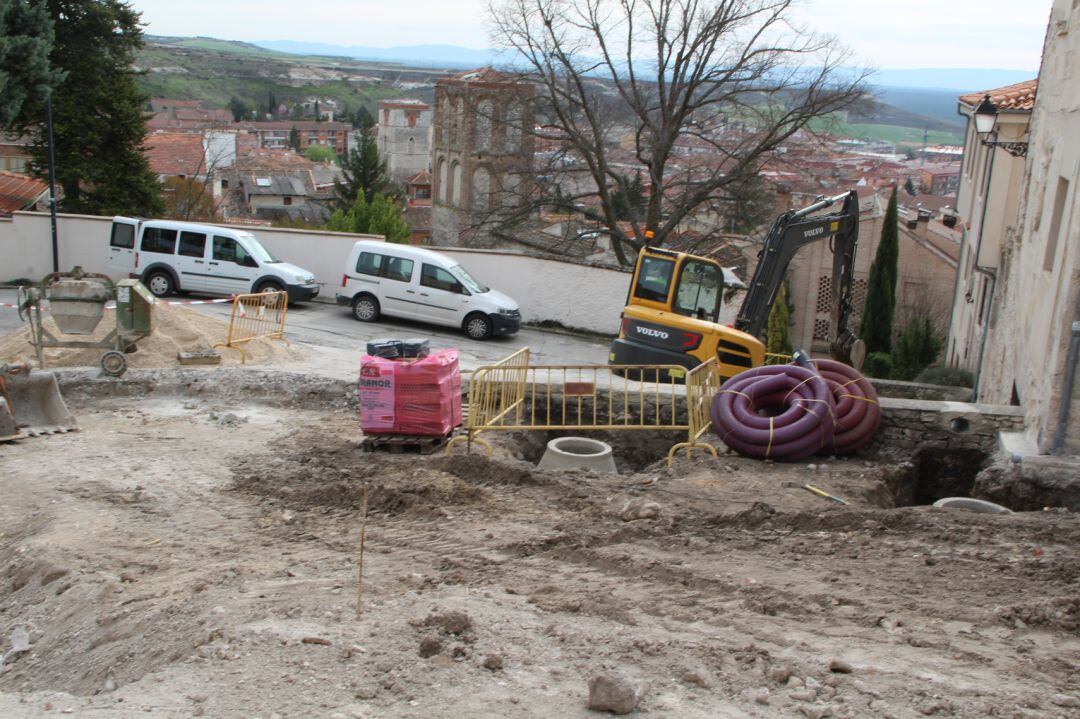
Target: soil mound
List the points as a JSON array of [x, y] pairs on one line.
[[176, 328]]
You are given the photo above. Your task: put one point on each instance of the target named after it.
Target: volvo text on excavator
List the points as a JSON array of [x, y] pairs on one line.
[[673, 306]]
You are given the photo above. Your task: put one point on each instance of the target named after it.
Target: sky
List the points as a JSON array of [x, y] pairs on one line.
[[1000, 34]]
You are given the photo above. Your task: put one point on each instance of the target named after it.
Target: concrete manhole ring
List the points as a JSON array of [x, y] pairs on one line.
[[579, 453], [972, 505]]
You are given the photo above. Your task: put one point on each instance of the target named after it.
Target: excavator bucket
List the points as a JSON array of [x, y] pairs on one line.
[[31, 404]]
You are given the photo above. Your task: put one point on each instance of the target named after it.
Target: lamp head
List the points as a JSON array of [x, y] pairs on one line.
[[985, 116]]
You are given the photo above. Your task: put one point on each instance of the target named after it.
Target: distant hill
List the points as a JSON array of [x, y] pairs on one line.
[[416, 55], [960, 80], [938, 105]]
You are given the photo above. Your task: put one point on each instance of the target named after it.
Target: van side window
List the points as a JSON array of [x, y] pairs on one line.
[[123, 236], [398, 269], [369, 263], [192, 244], [439, 279], [158, 239], [226, 249]]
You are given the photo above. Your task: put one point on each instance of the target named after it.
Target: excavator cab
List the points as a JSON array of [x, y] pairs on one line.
[[672, 314]]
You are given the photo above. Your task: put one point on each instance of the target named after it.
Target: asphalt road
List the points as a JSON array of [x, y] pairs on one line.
[[328, 325]]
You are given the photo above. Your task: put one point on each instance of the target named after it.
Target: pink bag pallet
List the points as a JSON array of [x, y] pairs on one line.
[[420, 397]]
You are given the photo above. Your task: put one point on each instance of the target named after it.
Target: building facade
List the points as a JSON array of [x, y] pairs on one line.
[[482, 151], [405, 137], [275, 135], [991, 184], [1033, 343]]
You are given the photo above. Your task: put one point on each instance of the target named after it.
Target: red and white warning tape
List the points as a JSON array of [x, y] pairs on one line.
[[192, 302]]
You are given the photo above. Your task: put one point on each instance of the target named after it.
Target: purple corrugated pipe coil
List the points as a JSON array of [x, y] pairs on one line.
[[789, 412]]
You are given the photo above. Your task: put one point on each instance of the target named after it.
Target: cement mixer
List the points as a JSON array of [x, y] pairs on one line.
[[77, 302], [31, 404]]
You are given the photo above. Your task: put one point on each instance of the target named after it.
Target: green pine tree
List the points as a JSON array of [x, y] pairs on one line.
[[294, 138], [362, 172], [363, 119], [381, 216], [386, 220], [916, 349], [238, 109], [778, 338], [98, 112], [877, 318], [26, 39]]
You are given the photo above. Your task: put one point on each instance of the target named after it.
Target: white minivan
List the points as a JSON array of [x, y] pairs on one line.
[[170, 256], [383, 278]]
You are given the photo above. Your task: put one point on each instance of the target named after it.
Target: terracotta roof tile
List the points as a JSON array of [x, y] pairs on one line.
[[17, 191], [175, 153], [1020, 96]]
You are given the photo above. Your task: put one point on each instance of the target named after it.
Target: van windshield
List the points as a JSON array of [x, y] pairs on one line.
[[260, 253], [466, 279]]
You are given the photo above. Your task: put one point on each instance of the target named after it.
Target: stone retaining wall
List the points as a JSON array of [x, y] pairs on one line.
[[914, 424]]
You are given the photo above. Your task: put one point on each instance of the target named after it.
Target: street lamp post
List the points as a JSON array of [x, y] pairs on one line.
[[986, 115], [52, 182]]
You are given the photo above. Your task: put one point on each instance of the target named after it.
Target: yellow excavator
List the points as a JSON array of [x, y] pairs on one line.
[[673, 305]]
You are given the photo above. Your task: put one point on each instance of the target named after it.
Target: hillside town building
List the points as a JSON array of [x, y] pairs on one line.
[[404, 137], [482, 152]]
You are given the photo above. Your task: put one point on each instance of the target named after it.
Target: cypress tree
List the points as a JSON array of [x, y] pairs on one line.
[[99, 116], [877, 319]]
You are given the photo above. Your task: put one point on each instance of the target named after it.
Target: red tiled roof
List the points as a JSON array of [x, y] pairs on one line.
[[421, 178], [175, 153], [300, 125], [1020, 96], [17, 191], [404, 103]]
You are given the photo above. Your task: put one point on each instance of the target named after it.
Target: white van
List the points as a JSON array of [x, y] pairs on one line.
[[168, 256], [413, 283]]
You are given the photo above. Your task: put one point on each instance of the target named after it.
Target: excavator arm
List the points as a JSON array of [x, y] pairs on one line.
[[792, 231]]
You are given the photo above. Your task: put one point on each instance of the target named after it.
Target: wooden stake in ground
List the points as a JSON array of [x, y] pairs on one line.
[[360, 563]]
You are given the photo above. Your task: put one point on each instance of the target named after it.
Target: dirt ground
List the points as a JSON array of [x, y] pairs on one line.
[[184, 557]]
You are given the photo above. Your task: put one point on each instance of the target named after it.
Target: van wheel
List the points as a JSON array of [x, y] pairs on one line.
[[478, 327], [365, 308], [160, 283], [269, 286]]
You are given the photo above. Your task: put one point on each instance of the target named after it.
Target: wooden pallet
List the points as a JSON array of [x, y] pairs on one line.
[[403, 443]]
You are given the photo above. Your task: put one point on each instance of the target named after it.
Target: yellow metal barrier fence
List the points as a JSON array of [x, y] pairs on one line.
[[702, 384], [513, 395], [254, 316], [772, 358]]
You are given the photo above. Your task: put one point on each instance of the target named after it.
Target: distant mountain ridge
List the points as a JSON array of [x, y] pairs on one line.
[[959, 79], [419, 55]]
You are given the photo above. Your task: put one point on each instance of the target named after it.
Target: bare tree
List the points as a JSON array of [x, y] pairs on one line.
[[195, 194], [694, 93]]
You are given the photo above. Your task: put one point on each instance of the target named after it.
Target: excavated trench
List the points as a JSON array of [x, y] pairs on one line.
[[932, 474], [634, 450]]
